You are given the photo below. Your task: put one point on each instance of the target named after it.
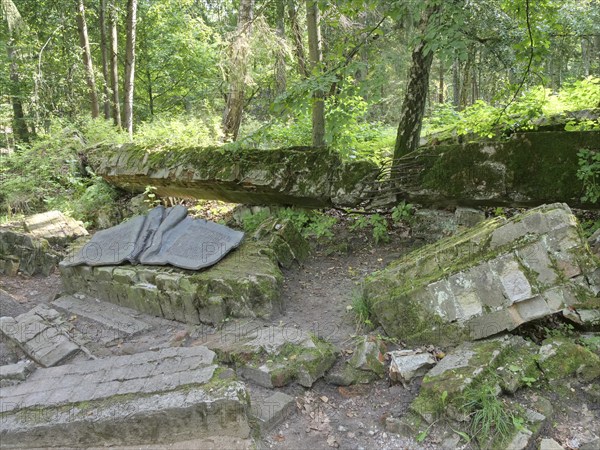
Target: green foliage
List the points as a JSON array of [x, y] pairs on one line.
[[489, 416], [403, 212], [33, 175], [562, 330], [180, 131], [529, 381], [589, 174], [487, 120], [311, 223], [251, 222], [362, 309], [97, 196], [377, 223], [590, 227], [50, 173], [150, 196]]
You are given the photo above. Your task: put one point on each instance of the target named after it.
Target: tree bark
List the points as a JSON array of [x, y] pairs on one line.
[[19, 122], [441, 84], [585, 56], [114, 64], [415, 97], [129, 66], [456, 84], [316, 57], [298, 43], [280, 78], [238, 67], [149, 91], [87, 58], [104, 50]]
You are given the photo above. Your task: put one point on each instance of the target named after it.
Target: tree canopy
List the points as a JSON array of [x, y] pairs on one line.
[[366, 78]]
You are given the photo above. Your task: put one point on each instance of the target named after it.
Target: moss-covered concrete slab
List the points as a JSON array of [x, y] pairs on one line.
[[148, 398], [273, 356], [561, 358], [487, 279], [529, 169], [305, 177]]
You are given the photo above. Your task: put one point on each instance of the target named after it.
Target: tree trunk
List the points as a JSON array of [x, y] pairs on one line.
[[19, 122], [585, 56], [280, 79], [298, 43], [456, 84], [441, 84], [149, 91], [129, 66], [114, 65], [316, 57], [415, 97], [87, 58], [104, 49], [238, 67]]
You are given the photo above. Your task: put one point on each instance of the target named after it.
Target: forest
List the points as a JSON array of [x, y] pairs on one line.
[[368, 79], [285, 224]]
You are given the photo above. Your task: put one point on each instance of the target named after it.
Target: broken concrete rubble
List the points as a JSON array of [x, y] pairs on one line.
[[559, 358], [273, 356], [27, 254], [408, 364], [487, 279], [108, 315], [54, 226], [15, 372], [271, 410], [366, 365], [26, 246]]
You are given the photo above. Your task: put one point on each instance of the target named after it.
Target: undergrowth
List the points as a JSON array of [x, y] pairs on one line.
[[490, 120], [490, 418]]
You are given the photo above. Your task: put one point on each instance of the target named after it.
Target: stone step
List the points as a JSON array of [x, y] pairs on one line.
[[170, 395], [108, 315], [40, 336]]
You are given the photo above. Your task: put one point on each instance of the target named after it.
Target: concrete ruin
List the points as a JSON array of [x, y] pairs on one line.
[[35, 246], [529, 169], [245, 283], [488, 279], [301, 176]]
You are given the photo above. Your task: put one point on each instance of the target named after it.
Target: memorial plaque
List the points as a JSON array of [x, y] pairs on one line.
[[193, 244], [109, 247], [164, 236]]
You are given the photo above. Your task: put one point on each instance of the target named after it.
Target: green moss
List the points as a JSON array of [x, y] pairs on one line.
[[566, 358], [541, 166], [544, 164], [460, 169]]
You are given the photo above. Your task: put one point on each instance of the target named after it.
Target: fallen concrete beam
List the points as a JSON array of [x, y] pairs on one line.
[[305, 177], [529, 169]]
